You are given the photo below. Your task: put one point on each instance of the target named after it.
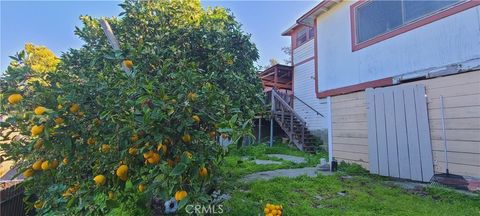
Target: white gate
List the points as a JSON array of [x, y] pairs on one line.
[[398, 132]]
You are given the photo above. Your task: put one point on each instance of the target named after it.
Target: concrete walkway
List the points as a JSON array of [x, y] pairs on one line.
[[294, 159], [291, 173]]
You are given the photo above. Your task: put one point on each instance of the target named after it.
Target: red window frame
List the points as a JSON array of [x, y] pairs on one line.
[[410, 26], [309, 37]]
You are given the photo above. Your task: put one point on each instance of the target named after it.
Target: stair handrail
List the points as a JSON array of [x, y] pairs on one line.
[[283, 104], [285, 96], [281, 100], [318, 113]]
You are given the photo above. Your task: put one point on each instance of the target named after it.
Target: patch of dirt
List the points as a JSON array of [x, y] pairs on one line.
[[418, 190]]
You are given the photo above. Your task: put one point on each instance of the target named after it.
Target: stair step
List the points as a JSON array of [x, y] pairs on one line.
[[286, 119], [299, 131]]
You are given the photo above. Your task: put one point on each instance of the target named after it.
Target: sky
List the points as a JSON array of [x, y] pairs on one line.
[[52, 23]]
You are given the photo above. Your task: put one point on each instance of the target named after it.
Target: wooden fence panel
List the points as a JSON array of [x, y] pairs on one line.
[[401, 129], [412, 135], [424, 133], [372, 133], [381, 133], [398, 132], [393, 166]]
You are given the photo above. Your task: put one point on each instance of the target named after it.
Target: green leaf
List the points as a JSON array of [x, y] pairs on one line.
[[234, 118], [225, 130], [179, 169], [70, 202], [183, 202], [4, 124], [128, 185]]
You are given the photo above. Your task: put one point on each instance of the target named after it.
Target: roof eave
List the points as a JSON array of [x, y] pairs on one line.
[[288, 32], [309, 17]]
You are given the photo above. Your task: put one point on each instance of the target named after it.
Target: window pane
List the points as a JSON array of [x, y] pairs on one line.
[[311, 33], [377, 17], [417, 9], [301, 36]]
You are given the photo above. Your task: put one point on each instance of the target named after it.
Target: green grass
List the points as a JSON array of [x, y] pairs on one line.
[[234, 167], [365, 194]]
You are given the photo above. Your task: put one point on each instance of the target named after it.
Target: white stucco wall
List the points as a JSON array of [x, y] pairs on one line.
[[446, 41]]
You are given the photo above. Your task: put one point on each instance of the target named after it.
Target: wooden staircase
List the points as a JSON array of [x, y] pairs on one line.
[[291, 123]]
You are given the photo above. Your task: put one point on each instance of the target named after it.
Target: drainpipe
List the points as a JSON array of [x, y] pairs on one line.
[[329, 131]]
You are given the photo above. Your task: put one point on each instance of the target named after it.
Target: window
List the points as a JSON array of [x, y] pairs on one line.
[[311, 33], [378, 17], [304, 35], [417, 9]]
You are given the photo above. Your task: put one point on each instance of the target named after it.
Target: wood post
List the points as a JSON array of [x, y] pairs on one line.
[[275, 79], [259, 130], [291, 125], [272, 116], [107, 30]]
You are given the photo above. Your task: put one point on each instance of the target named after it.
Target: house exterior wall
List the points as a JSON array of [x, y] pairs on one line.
[[303, 53], [450, 40], [303, 89], [349, 128], [461, 94], [303, 85]]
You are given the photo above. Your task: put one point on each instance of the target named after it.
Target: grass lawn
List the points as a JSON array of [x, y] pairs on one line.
[[363, 194]]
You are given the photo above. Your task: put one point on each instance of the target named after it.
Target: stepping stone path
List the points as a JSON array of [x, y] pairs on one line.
[[262, 162], [294, 159], [291, 173]]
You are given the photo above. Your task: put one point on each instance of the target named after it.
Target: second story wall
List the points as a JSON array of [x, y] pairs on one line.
[[454, 39], [303, 52], [304, 88]]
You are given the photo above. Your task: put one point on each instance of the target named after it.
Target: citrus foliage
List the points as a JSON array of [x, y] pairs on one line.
[[98, 140], [32, 64], [40, 59]]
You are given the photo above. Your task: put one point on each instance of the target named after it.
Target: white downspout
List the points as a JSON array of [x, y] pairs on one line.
[[329, 125]]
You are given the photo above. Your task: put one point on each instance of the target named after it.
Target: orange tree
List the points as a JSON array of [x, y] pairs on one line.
[[97, 140]]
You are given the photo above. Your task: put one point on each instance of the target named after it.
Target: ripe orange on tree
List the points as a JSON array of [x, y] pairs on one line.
[[74, 108], [132, 151], [37, 165], [128, 63], [180, 195], [37, 129], [15, 98], [91, 141], [196, 119], [203, 172], [45, 165], [39, 110], [186, 138], [100, 180], [28, 173], [122, 172]]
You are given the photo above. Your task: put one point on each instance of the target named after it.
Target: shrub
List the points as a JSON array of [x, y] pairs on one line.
[[95, 140]]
